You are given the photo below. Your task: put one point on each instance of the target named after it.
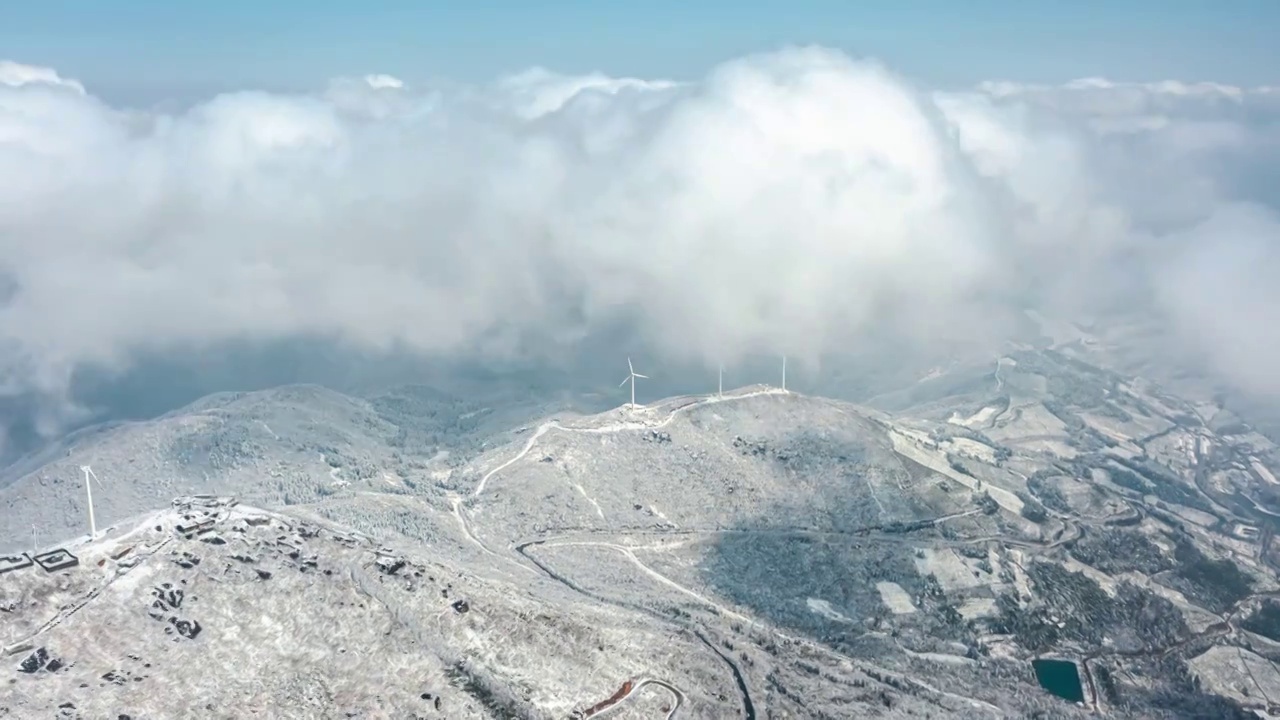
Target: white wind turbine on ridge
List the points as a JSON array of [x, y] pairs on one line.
[[631, 378], [88, 491]]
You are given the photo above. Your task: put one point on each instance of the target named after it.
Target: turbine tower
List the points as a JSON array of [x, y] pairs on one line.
[[784, 373], [88, 491], [720, 392], [631, 378]]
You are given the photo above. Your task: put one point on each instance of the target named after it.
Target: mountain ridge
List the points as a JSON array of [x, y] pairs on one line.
[[807, 556]]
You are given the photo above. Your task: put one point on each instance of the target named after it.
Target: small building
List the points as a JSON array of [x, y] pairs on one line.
[[1245, 532], [56, 560], [9, 563]]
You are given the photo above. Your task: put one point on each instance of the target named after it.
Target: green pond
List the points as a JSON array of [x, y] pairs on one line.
[[1060, 677]]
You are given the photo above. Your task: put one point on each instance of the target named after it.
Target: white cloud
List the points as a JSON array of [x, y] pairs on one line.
[[15, 75], [788, 202], [1219, 287], [538, 91], [379, 81]]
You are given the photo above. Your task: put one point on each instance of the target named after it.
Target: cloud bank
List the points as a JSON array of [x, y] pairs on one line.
[[793, 202]]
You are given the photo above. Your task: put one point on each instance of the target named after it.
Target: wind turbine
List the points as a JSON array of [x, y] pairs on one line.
[[720, 391], [784, 373], [631, 378], [88, 491]]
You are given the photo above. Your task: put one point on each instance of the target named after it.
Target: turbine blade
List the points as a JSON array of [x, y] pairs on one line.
[[646, 377], [629, 367], [624, 382]]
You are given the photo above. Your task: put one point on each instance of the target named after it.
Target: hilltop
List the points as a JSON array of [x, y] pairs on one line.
[[288, 445]]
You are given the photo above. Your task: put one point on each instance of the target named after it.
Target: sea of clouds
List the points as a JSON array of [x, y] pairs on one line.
[[793, 202]]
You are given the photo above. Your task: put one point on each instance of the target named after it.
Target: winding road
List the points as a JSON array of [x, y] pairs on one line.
[[628, 691], [688, 404], [522, 553]]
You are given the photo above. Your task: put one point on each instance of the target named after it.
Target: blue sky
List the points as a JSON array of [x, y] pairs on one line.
[[148, 49]]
